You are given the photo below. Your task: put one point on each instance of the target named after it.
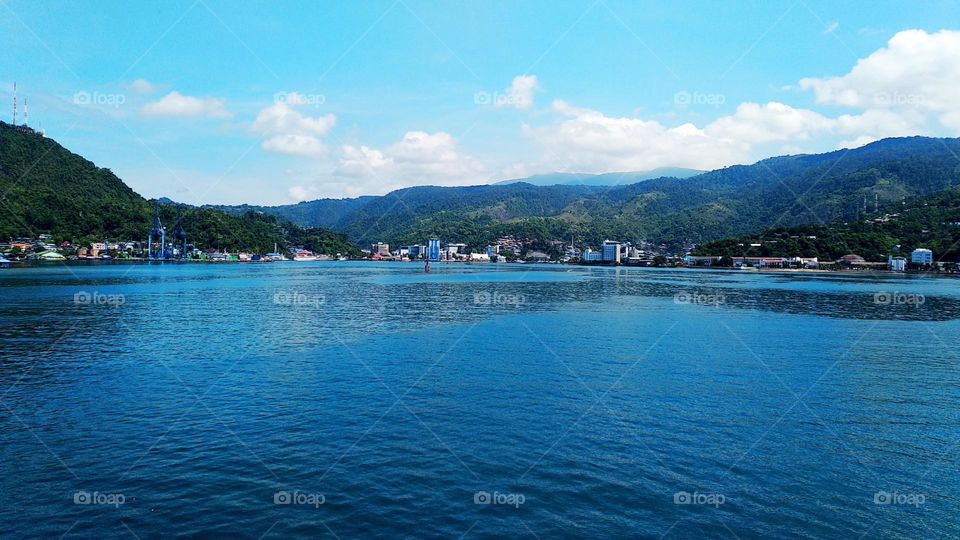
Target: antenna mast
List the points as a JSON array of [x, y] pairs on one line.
[[14, 103]]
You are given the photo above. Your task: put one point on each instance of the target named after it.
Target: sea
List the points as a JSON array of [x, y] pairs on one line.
[[374, 400]]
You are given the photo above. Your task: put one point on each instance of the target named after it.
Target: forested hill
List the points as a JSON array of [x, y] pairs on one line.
[[779, 191], [931, 221], [45, 188]]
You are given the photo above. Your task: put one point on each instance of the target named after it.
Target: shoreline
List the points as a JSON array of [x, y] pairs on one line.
[[24, 264]]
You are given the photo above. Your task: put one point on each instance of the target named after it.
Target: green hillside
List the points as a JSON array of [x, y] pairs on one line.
[[782, 191], [931, 222], [45, 188]]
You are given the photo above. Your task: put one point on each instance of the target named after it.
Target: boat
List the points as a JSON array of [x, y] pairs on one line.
[[275, 256], [4, 262], [304, 255], [48, 255]]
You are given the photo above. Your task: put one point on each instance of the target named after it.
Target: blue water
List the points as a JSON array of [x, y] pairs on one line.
[[182, 400]]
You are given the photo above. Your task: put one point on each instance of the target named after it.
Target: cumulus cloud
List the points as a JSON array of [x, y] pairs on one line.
[[288, 131], [417, 158], [303, 193], [520, 94], [143, 86], [905, 88], [916, 71], [753, 123], [585, 140], [588, 141], [177, 104]]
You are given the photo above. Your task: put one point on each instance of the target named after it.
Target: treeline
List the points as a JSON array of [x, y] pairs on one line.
[[931, 222]]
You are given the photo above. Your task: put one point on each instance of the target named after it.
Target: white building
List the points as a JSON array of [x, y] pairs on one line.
[[921, 256], [897, 264], [590, 255]]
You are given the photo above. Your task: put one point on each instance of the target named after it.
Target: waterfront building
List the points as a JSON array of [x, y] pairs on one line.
[[590, 255], [433, 249], [416, 251], [896, 264], [381, 248], [493, 251], [611, 251], [921, 256], [696, 260], [851, 259]]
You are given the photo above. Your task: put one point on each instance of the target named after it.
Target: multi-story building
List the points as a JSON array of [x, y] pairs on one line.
[[897, 264], [590, 255], [433, 249], [611, 251], [921, 256], [381, 248], [416, 251]]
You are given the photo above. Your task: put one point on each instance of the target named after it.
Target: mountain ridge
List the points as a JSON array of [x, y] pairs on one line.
[[739, 199]]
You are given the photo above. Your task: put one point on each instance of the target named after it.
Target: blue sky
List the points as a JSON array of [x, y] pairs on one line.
[[208, 101]]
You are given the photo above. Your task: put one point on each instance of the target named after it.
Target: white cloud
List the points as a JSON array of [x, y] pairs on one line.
[[906, 88], [754, 123], [177, 104], [288, 131], [303, 193], [143, 86], [417, 158], [588, 141], [520, 94], [585, 140], [916, 71]]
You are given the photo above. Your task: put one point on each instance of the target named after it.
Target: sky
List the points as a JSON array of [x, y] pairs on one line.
[[224, 102]]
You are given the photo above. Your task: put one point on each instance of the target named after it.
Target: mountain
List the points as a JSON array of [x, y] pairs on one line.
[[931, 221], [606, 179], [776, 192], [45, 188]]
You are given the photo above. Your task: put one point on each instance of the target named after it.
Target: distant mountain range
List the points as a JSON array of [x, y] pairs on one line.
[[606, 179], [779, 191], [47, 189]]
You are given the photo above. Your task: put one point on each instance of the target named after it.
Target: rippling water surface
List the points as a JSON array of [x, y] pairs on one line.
[[476, 401]]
